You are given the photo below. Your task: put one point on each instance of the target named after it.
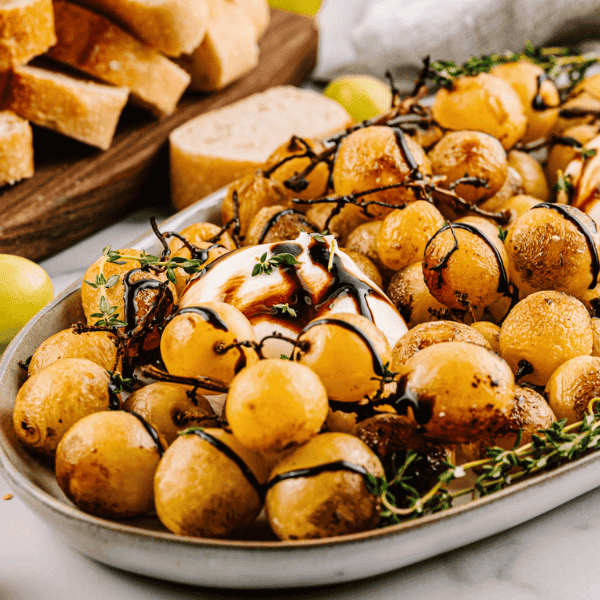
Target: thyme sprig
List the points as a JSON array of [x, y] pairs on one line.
[[548, 449], [553, 60], [285, 309], [155, 263], [266, 265]]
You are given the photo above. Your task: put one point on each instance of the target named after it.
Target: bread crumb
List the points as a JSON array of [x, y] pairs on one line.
[[7, 497]]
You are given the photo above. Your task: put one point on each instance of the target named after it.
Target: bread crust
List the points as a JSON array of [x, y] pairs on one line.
[[228, 51], [213, 149], [173, 27], [80, 109], [94, 44], [16, 148], [26, 30]]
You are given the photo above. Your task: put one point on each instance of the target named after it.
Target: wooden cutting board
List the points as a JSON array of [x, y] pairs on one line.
[[77, 190]]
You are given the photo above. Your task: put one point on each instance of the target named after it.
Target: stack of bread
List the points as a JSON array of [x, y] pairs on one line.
[[96, 57]]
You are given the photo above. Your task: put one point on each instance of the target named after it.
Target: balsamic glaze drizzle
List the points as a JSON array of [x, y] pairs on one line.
[[338, 465], [131, 291], [538, 102], [404, 398], [565, 141], [210, 315], [415, 173], [343, 281], [279, 215], [229, 453], [151, 431], [378, 367], [503, 285], [568, 212], [113, 399]]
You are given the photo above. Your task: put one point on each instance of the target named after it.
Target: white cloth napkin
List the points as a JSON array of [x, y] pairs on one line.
[[370, 36]]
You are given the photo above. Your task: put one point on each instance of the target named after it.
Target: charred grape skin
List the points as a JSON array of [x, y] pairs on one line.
[[345, 344], [200, 491], [171, 408], [542, 332], [105, 464], [482, 103], [253, 192], [465, 268], [98, 346], [529, 415], [55, 398], [538, 94], [436, 332], [276, 404], [573, 386], [461, 154], [192, 342], [323, 504], [282, 168], [372, 157], [403, 234], [455, 391], [549, 249]]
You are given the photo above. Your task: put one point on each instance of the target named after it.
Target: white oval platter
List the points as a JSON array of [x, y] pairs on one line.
[[144, 547]]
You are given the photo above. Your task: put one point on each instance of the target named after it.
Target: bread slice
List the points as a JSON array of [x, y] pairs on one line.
[[80, 109], [258, 11], [213, 149], [229, 48], [172, 27], [16, 148], [26, 30], [94, 44]]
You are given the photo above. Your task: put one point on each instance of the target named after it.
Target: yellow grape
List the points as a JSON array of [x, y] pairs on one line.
[[362, 96], [25, 288]]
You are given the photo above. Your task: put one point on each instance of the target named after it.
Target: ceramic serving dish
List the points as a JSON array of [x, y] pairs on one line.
[[143, 546]]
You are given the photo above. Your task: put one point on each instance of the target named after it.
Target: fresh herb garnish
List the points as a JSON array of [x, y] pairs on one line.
[[548, 449], [266, 266], [285, 309], [502, 234], [552, 60], [107, 317]]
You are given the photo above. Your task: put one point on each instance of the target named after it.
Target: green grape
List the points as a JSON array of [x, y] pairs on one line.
[[362, 96], [25, 288]]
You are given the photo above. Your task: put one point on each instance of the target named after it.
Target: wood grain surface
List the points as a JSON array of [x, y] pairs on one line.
[[77, 190]]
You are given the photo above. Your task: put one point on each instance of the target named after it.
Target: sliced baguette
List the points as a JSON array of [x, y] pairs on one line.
[[94, 44], [80, 109], [16, 148], [26, 30], [258, 11], [229, 48], [213, 149], [173, 27]]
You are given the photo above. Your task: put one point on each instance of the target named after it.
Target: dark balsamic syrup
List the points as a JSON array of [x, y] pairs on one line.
[[279, 215], [538, 102], [378, 367], [210, 315], [566, 141], [338, 465], [405, 398], [151, 431], [343, 282], [415, 173], [503, 286], [130, 295], [568, 212], [113, 399], [229, 453]]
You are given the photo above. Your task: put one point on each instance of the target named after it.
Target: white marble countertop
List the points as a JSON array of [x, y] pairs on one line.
[[553, 557]]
